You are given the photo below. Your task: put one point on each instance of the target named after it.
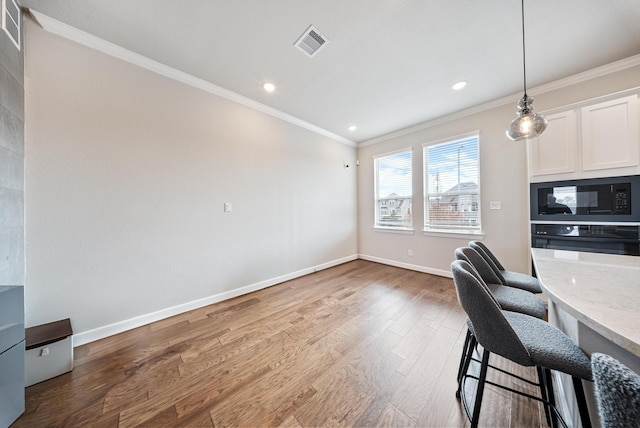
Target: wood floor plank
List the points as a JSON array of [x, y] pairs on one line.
[[274, 397], [457, 417], [359, 344], [197, 387], [264, 409], [496, 408], [420, 388], [374, 414], [443, 389], [342, 399], [290, 422], [169, 418], [135, 387], [411, 313], [392, 417], [413, 344]]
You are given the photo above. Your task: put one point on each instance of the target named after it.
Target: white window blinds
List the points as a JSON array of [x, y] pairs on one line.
[[452, 185]]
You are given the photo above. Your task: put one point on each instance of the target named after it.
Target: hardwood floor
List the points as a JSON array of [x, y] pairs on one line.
[[360, 344]]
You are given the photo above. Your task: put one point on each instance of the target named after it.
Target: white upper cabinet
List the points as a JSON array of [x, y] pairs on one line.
[[610, 134], [554, 152], [594, 140]]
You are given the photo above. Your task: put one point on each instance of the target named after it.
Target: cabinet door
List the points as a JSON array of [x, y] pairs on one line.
[[11, 384], [554, 151], [610, 134]]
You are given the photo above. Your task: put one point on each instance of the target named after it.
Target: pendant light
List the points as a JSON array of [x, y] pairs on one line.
[[528, 124]]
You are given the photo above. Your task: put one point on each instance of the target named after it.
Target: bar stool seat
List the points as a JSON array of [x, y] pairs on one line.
[[522, 280], [548, 346], [517, 300]]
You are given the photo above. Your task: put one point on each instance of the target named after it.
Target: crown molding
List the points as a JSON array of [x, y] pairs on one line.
[[74, 34], [604, 70], [81, 37]]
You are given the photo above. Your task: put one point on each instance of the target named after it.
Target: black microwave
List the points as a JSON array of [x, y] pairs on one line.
[[611, 199]]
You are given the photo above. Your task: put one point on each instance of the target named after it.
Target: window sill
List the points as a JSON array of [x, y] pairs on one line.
[[463, 234], [393, 230]]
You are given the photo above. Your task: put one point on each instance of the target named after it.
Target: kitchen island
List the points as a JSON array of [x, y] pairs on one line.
[[595, 299]]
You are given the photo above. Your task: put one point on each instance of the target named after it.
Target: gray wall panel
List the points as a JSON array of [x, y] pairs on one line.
[[12, 256], [12, 263], [12, 94], [11, 170], [11, 208], [11, 131]]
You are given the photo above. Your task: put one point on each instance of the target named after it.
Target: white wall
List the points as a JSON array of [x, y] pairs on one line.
[[126, 176], [503, 178], [127, 171]]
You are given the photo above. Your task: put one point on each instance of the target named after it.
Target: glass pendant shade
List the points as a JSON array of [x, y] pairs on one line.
[[528, 124]]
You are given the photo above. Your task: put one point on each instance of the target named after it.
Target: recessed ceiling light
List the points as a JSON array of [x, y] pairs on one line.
[[353, 128], [269, 87], [459, 85]]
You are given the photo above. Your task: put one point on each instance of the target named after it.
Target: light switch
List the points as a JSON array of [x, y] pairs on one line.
[[227, 207]]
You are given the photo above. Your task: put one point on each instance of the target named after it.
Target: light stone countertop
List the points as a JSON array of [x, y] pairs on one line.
[[602, 291]]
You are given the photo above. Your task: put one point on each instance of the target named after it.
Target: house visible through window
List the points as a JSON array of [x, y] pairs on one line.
[[452, 185], [393, 191]]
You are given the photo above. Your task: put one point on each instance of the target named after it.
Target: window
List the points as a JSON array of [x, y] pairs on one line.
[[11, 20], [393, 190], [452, 190]]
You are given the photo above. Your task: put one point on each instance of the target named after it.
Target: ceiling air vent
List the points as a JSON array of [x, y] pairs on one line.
[[311, 41], [11, 19]]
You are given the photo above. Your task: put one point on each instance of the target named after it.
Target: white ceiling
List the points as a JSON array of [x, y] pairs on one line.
[[389, 65]]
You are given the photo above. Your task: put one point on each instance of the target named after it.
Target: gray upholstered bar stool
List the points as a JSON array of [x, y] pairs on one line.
[[521, 338], [509, 298], [617, 391], [511, 278]]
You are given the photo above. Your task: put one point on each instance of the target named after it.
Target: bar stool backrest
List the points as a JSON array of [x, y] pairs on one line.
[[486, 272], [489, 325], [485, 251], [617, 391]]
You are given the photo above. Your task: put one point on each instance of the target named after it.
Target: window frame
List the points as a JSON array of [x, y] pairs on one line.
[[376, 220], [451, 229]]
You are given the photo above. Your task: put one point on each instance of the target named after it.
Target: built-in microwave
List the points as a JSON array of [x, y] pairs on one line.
[[610, 200]]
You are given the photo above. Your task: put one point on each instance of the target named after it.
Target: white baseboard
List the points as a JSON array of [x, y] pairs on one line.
[[418, 268], [121, 326]]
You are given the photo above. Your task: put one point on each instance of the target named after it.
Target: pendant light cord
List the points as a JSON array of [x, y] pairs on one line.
[[524, 61]]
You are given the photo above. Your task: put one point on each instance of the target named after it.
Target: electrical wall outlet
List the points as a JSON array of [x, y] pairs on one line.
[[227, 207], [494, 205]]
